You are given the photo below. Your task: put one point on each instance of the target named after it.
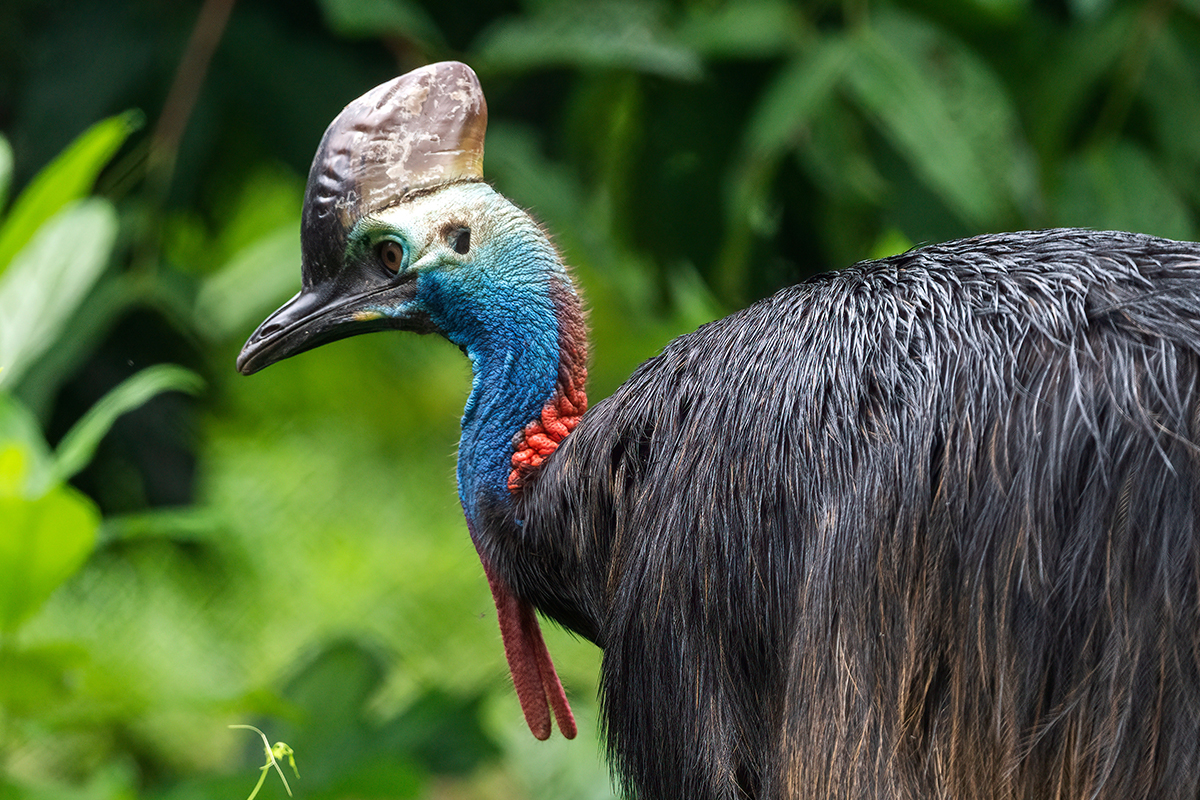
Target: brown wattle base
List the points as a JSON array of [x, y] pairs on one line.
[[538, 687]]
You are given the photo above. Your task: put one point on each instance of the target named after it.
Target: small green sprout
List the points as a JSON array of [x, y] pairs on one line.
[[275, 753]]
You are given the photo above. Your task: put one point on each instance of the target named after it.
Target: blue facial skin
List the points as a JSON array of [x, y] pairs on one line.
[[494, 302]]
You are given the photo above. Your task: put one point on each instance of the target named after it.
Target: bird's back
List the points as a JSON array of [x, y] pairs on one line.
[[922, 528]]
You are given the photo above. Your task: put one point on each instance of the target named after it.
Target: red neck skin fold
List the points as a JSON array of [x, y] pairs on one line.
[[534, 443]]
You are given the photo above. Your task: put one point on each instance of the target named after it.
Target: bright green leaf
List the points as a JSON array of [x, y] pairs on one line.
[[891, 241], [48, 279], [24, 457], [178, 524], [79, 444], [67, 178], [43, 542], [14, 469]]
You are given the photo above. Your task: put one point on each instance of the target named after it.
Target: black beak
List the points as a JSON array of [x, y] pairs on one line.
[[322, 314]]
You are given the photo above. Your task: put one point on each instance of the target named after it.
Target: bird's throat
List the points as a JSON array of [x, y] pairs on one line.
[[501, 396]]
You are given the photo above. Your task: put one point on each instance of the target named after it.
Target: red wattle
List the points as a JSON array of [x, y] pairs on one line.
[[538, 688]]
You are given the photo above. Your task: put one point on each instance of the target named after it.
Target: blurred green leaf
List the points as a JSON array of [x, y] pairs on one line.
[[791, 98], [1001, 10], [6, 167], [612, 35], [891, 242], [235, 299], [944, 112], [36, 679], [67, 178], [836, 154], [752, 29], [48, 280], [1172, 93], [355, 19], [114, 780], [1069, 78], [437, 719], [1119, 188], [269, 200], [1089, 9], [186, 524], [19, 430], [80, 442], [44, 540]]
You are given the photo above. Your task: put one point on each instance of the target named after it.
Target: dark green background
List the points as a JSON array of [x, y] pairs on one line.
[[287, 550]]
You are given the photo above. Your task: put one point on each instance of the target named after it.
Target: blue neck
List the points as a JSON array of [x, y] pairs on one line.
[[509, 329]]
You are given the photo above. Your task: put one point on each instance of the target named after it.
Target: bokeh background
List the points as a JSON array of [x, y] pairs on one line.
[[182, 549]]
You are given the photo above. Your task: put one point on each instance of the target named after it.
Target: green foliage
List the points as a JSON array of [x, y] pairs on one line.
[[79, 444], [66, 179], [47, 537], [604, 35], [311, 571], [48, 280], [383, 18]]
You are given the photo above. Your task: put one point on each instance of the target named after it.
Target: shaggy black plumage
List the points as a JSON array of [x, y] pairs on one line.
[[924, 528]]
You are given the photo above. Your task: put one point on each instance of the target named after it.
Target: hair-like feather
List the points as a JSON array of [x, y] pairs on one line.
[[924, 528]]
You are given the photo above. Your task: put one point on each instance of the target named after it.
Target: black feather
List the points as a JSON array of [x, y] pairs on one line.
[[924, 528]]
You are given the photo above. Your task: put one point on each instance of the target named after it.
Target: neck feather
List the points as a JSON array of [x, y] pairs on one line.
[[527, 394], [563, 409]]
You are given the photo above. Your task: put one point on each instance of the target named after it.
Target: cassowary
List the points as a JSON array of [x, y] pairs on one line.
[[923, 528]]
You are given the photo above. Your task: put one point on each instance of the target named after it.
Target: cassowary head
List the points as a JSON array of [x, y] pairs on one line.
[[400, 231]]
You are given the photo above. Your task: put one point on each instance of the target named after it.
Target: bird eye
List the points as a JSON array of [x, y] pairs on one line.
[[460, 240], [391, 255]]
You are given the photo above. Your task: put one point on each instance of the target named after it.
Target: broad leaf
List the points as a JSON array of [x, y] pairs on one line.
[[791, 98], [44, 540], [79, 444], [945, 112], [21, 439], [256, 280], [33, 681], [49, 279], [67, 178], [749, 29]]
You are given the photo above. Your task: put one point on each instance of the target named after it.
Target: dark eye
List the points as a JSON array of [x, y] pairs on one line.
[[460, 240], [391, 255]]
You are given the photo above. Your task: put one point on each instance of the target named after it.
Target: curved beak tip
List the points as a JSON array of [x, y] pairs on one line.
[[244, 361]]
